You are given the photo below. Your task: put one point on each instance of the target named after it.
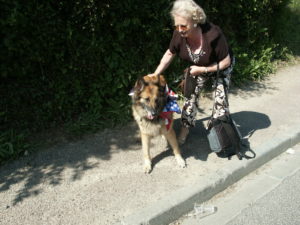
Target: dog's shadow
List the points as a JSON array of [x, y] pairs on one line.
[[197, 145]]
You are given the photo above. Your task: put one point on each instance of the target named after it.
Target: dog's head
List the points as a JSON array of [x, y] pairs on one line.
[[150, 95]]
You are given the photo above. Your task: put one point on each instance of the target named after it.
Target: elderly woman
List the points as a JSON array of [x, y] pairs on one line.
[[203, 45]]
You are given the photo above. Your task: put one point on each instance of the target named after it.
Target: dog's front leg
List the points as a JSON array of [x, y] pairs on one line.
[[171, 137], [146, 153]]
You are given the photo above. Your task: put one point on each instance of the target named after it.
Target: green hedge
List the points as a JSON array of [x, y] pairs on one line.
[[72, 63]]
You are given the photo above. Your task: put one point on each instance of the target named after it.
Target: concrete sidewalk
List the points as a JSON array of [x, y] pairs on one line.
[[269, 109], [100, 179]]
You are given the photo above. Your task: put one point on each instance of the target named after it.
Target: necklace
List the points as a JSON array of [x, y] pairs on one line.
[[195, 57]]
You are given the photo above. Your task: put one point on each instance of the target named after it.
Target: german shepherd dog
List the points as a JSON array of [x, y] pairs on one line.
[[148, 101]]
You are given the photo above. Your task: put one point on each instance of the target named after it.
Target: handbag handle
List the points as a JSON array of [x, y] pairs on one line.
[[216, 85]]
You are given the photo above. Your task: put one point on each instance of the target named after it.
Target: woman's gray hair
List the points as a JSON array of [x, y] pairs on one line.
[[189, 10]]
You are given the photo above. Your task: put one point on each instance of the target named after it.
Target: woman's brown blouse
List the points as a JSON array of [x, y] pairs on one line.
[[214, 45]]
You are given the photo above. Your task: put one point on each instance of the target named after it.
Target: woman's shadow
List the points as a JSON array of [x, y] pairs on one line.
[[197, 145]]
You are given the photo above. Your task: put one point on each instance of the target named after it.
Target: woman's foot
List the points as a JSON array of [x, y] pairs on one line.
[[183, 135]]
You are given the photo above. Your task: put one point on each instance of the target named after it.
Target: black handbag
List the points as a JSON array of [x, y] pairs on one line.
[[187, 83], [224, 136]]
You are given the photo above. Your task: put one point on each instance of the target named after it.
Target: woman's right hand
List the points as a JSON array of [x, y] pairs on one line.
[[152, 74], [198, 70]]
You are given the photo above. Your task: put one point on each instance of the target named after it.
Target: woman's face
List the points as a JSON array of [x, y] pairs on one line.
[[183, 25]]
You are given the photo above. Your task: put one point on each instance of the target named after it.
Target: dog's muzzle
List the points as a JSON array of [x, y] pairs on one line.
[[151, 113]]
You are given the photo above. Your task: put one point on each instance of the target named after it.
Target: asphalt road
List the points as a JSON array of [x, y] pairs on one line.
[[268, 196], [279, 207]]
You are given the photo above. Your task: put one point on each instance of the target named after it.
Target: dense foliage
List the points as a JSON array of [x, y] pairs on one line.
[[72, 63]]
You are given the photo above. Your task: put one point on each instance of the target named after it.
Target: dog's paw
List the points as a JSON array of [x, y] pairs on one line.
[[180, 161], [147, 166]]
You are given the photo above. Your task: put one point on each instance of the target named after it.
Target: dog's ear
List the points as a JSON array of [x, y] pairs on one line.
[[139, 85], [161, 81]]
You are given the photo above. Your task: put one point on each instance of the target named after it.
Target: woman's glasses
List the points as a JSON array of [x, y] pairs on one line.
[[182, 27]]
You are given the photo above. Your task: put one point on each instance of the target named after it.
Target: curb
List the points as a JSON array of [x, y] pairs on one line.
[[182, 201]]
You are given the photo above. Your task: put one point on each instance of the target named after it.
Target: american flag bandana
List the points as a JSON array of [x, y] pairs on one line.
[[171, 107]]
